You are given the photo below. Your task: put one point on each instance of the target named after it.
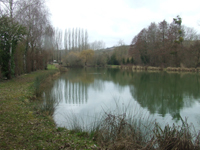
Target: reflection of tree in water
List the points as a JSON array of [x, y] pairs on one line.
[[165, 93], [98, 85], [70, 92], [76, 93], [72, 88], [159, 92]]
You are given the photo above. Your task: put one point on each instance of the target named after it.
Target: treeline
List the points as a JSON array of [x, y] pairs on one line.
[[79, 59], [119, 56], [166, 45], [97, 55], [76, 39], [28, 41], [26, 37]]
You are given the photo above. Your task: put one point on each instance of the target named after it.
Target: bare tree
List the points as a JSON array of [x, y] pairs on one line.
[[76, 38], [121, 51], [163, 28], [152, 40], [66, 41], [86, 40], [49, 42], [79, 39], [73, 39], [8, 7], [163, 42], [97, 45], [190, 34], [58, 43], [69, 39], [34, 16], [82, 40]]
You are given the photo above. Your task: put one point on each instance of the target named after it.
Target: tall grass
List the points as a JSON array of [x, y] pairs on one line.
[[51, 67], [40, 83], [177, 137], [48, 106], [39, 80], [86, 123], [121, 128]]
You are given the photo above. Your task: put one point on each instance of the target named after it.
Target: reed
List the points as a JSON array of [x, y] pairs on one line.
[[176, 137], [120, 128], [39, 80], [62, 69], [48, 105]]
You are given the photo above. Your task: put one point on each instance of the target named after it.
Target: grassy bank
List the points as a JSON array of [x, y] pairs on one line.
[[22, 123]]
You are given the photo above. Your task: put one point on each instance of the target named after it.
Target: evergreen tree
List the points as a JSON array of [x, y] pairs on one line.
[[10, 33], [178, 22], [113, 60], [132, 60], [123, 61], [127, 61]]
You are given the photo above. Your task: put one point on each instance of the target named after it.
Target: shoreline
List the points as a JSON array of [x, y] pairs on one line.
[[23, 123], [150, 68]]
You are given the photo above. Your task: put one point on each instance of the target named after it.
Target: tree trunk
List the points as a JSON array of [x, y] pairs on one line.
[[0, 72], [9, 75]]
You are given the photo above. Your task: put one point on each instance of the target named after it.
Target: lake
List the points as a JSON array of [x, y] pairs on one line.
[[165, 97]]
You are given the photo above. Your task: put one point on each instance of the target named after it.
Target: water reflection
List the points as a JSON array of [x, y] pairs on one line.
[[73, 87], [70, 92], [162, 94]]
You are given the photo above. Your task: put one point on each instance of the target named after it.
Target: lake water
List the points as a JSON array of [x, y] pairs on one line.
[[164, 97]]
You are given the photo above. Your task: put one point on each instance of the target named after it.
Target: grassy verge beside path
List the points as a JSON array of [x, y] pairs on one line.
[[23, 126]]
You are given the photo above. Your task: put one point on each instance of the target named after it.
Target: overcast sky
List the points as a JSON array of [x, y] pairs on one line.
[[112, 20]]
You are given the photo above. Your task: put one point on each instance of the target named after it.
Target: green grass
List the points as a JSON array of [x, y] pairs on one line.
[[24, 126], [51, 67], [113, 66]]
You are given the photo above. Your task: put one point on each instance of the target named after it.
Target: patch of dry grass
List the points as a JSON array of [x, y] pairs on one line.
[[62, 69], [116, 133]]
